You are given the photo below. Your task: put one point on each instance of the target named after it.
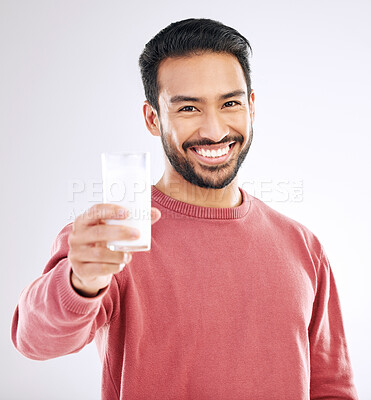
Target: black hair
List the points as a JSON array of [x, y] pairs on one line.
[[191, 37]]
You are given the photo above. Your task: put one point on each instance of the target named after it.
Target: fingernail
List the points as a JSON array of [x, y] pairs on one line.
[[134, 233], [122, 266]]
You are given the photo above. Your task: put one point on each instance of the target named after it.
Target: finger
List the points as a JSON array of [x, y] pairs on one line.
[[99, 244], [91, 270], [99, 212], [98, 254], [103, 233], [155, 215]]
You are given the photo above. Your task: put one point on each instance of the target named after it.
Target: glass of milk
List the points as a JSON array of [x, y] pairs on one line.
[[126, 181]]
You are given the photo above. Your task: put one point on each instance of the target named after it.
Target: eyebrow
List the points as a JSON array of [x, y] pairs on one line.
[[182, 99]]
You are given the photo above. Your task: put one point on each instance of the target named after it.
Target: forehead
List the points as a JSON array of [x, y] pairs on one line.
[[205, 75]]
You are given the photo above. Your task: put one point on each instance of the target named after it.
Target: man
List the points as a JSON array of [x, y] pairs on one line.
[[234, 300]]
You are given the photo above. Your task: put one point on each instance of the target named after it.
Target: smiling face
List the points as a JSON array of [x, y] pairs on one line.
[[205, 120]]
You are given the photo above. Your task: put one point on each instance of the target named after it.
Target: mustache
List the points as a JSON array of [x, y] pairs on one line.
[[208, 142]]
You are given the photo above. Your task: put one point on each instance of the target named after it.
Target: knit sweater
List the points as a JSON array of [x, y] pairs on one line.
[[229, 303]]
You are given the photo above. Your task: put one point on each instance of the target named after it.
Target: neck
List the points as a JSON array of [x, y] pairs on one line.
[[180, 189]]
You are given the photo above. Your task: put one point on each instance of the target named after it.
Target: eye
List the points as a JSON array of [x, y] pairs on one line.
[[231, 104], [188, 108]]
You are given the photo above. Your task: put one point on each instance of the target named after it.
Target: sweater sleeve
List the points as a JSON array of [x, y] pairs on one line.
[[331, 371], [51, 318]]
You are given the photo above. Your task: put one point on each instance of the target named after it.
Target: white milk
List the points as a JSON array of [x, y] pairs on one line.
[[126, 181]]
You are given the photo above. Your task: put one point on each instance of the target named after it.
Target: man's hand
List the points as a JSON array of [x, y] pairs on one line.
[[93, 264]]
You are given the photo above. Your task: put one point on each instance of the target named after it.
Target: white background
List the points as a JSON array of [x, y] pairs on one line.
[[70, 89]]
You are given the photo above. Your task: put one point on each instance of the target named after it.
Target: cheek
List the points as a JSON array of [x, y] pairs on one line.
[[179, 132], [240, 124]]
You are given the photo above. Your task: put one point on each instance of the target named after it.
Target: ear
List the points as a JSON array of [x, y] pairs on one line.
[[151, 119], [252, 106]]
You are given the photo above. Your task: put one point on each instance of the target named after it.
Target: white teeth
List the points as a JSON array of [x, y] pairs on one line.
[[213, 153]]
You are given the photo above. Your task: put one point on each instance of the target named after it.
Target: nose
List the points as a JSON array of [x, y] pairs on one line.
[[213, 127]]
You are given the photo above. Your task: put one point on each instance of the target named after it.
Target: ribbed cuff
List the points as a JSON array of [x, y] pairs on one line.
[[69, 298]]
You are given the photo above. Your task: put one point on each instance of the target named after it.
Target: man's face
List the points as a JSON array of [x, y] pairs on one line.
[[205, 118]]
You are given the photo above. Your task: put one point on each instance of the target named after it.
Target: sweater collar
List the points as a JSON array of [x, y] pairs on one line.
[[202, 212]]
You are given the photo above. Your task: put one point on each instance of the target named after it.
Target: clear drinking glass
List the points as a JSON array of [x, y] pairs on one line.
[[126, 181]]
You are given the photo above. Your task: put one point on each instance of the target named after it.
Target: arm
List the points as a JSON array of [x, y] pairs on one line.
[[60, 312], [331, 372], [51, 318]]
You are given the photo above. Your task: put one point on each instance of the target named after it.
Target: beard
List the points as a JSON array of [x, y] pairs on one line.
[[214, 176]]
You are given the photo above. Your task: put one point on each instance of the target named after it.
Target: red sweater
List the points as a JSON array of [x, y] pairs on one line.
[[230, 303]]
